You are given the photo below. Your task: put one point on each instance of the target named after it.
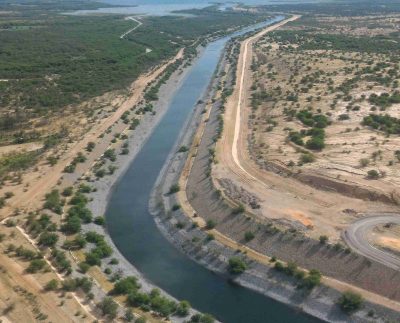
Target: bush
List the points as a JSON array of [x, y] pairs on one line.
[[51, 285], [248, 236], [67, 191], [236, 266], [183, 308], [323, 239], [350, 302], [174, 189], [373, 174], [176, 207], [307, 158], [36, 265], [126, 286], [108, 307], [210, 224], [53, 202], [202, 318], [48, 239], [72, 225], [312, 280], [83, 267], [92, 259], [239, 209], [90, 146], [99, 220]]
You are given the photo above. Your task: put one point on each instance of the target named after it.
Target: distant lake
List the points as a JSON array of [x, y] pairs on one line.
[[166, 7]]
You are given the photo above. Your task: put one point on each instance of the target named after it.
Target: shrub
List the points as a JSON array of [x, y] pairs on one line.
[[248, 236], [183, 308], [323, 239], [174, 189], [90, 146], [126, 285], [67, 191], [83, 267], [92, 259], [373, 174], [236, 266], [108, 307], [51, 285], [99, 220], [110, 154], [350, 302], [307, 158], [239, 209], [312, 280], [53, 202], [210, 224], [183, 149], [48, 239], [36, 265], [176, 207]]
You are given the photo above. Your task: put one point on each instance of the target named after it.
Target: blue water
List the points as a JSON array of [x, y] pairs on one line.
[[136, 235], [166, 7]]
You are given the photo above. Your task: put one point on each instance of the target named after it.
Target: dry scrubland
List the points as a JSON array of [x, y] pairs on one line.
[[325, 110]]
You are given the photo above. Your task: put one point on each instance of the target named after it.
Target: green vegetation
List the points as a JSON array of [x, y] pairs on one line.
[[248, 236], [53, 202], [17, 161], [210, 224], [61, 49], [385, 123], [174, 189], [317, 133], [108, 307], [385, 100], [308, 282], [36, 265], [350, 302], [236, 266]]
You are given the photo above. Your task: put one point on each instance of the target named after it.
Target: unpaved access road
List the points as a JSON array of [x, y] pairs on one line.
[[356, 236]]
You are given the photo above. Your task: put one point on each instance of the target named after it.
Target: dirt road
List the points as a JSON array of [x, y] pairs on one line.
[[357, 234]]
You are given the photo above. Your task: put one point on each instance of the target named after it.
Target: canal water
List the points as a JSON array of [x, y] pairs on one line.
[[136, 235]]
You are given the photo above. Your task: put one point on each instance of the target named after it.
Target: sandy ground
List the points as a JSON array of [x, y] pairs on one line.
[[280, 197]]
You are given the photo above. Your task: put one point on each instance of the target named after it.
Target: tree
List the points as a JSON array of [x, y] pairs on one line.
[[126, 285], [373, 174], [210, 224], [108, 307], [48, 239], [236, 266], [36, 265], [129, 315], [183, 308], [99, 220], [350, 302], [51, 285], [174, 189], [323, 239], [72, 225], [248, 236]]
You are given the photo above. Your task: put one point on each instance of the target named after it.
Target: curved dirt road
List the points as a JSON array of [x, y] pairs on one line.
[[356, 236]]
